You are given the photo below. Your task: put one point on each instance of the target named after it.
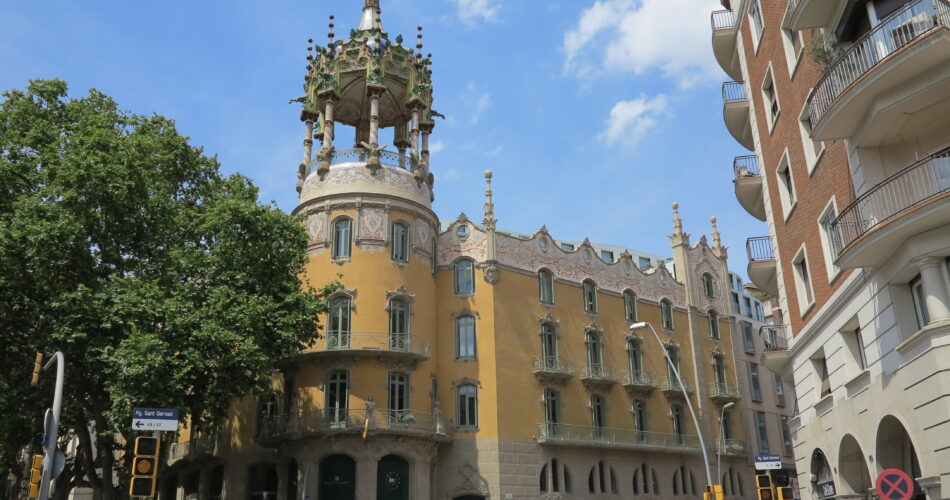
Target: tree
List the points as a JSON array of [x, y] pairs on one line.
[[164, 283]]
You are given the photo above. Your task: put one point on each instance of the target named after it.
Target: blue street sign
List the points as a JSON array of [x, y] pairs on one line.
[[155, 419]]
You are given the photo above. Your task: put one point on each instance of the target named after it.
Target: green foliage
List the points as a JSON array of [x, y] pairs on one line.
[[823, 53], [164, 283]]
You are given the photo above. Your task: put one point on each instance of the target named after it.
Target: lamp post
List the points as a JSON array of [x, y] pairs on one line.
[[722, 414], [692, 413]]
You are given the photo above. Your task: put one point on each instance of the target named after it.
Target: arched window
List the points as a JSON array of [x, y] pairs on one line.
[[400, 236], [676, 412], [398, 325], [676, 482], [640, 419], [595, 354], [713, 324], [467, 406], [719, 372], [674, 362], [635, 359], [666, 311], [217, 483], [598, 413], [465, 337], [543, 479], [590, 296], [629, 305], [464, 277], [546, 286], [549, 345], [727, 424], [338, 323], [613, 481], [337, 396], [709, 285], [555, 480], [636, 481], [342, 232], [656, 482], [567, 480]]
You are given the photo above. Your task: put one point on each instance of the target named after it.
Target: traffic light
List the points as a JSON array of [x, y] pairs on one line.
[[784, 493], [713, 492], [144, 467], [36, 475], [763, 486]]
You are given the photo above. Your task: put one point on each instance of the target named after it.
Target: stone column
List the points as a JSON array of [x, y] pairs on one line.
[[414, 133], [366, 476], [307, 154], [419, 481], [935, 288], [374, 117], [326, 153], [426, 130]]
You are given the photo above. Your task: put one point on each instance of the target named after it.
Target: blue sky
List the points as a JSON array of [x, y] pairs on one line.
[[594, 116]]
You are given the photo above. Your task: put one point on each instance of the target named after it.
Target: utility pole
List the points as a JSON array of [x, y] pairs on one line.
[[50, 419]]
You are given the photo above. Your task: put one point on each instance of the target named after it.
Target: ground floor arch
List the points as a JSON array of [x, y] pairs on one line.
[[337, 478], [392, 478], [822, 479], [895, 450], [852, 467]]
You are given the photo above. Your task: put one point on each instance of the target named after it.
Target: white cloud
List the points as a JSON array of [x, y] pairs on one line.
[[436, 146], [629, 120], [471, 12], [478, 100], [671, 36]]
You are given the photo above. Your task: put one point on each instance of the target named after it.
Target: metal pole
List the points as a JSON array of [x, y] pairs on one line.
[[719, 444], [52, 432], [699, 431]]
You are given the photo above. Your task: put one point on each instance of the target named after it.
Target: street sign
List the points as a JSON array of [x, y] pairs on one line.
[[767, 462], [894, 484], [155, 419]]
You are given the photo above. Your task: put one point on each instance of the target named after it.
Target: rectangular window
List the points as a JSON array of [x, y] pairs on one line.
[[802, 281], [821, 369], [590, 297], [770, 99], [735, 304], [754, 382], [464, 277], [920, 302], [786, 436], [813, 149], [465, 337], [629, 306], [400, 237], [748, 307], [854, 349], [644, 263], [567, 247], [762, 431], [607, 255], [792, 41], [829, 240], [467, 406], [786, 186], [779, 390], [748, 340], [759, 313], [755, 14]]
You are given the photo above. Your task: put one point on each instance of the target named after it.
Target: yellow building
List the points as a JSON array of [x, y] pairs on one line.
[[460, 361]]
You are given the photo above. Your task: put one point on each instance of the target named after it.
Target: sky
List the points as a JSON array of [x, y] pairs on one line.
[[595, 116]]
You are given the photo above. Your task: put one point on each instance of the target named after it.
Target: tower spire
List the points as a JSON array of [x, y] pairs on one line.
[[717, 242], [370, 19], [489, 220], [677, 223]]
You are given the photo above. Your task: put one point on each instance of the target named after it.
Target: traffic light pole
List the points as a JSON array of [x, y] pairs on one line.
[[51, 430]]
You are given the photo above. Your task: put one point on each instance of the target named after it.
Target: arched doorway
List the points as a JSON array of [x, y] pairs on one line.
[[822, 481], [337, 478], [852, 468], [392, 478], [895, 450]]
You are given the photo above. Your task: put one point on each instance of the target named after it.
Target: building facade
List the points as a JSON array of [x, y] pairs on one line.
[[845, 107], [459, 361]]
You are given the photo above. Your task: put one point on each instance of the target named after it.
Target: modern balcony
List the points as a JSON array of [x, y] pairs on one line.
[[890, 82], [724, 392], [912, 201], [672, 388], [735, 112], [776, 357], [598, 375], [763, 269], [322, 422], [552, 368], [805, 14], [384, 345], [605, 437], [724, 40], [748, 183], [639, 381]]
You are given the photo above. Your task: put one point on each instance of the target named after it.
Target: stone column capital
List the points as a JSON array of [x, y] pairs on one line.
[[926, 262]]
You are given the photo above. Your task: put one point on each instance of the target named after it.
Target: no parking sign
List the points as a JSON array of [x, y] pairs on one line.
[[894, 484]]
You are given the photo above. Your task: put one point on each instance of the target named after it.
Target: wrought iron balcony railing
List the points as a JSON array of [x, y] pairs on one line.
[[672, 385], [583, 435], [193, 447], [746, 166], [894, 31], [387, 158], [759, 249], [640, 378], [371, 342], [774, 337], [733, 92], [733, 447], [349, 420], [926, 179], [724, 391], [598, 371], [553, 365], [722, 20]]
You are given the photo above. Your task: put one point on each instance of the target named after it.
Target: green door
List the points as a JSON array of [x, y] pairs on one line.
[[337, 478], [392, 478]]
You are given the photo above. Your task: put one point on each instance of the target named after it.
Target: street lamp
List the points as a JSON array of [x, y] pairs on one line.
[[699, 432], [722, 414]]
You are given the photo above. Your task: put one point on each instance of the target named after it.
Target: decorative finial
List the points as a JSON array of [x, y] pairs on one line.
[[715, 233], [330, 34], [419, 42], [677, 223], [489, 204]]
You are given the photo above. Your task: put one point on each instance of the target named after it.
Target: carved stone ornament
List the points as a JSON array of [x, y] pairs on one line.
[[465, 312], [492, 274], [547, 319], [593, 327], [466, 381], [347, 293], [400, 294], [472, 483]]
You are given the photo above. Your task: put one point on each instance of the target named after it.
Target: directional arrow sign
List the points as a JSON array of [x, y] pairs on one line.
[[767, 462], [155, 419]]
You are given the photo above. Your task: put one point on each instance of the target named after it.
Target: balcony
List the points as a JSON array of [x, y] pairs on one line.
[[805, 14], [639, 381], [912, 201], [762, 270], [890, 82], [671, 387], [733, 447], [202, 446], [776, 357], [724, 392], [322, 422], [735, 112], [724, 36], [748, 183], [605, 437], [383, 345], [598, 375], [359, 155], [552, 368]]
